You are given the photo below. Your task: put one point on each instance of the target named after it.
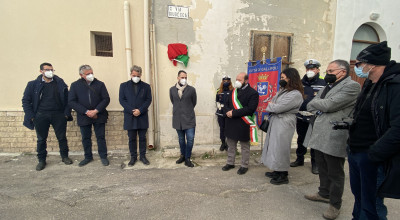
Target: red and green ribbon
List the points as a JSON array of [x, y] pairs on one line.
[[247, 119]]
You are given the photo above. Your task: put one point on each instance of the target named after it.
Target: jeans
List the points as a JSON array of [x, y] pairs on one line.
[[99, 130], [331, 177], [186, 145], [301, 129], [364, 184], [132, 134], [42, 122]]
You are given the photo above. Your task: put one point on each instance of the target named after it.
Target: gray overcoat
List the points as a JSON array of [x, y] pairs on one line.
[[183, 116], [276, 151], [337, 104]]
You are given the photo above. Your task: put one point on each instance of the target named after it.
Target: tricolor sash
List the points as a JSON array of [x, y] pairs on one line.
[[247, 119]]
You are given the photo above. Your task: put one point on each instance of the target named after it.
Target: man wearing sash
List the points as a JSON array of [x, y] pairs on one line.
[[239, 123]]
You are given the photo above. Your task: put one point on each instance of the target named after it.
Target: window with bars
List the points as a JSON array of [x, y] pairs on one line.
[[102, 44], [273, 44]]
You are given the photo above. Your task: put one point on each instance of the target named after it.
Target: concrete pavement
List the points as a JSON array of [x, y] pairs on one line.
[[162, 190]]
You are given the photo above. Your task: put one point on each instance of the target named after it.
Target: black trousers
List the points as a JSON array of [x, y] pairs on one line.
[[301, 129], [99, 130], [132, 134], [331, 177], [221, 123], [42, 122]]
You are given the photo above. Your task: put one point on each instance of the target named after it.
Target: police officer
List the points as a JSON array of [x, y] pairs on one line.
[[223, 93], [312, 83]]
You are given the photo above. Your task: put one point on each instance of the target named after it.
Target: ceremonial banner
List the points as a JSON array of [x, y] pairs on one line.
[[265, 79]]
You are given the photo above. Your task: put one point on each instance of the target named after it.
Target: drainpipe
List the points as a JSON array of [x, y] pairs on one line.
[[147, 69], [155, 83], [128, 46]]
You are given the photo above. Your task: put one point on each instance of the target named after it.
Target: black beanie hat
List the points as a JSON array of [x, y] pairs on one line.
[[377, 54]]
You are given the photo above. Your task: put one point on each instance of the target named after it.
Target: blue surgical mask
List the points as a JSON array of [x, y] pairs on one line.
[[359, 72]]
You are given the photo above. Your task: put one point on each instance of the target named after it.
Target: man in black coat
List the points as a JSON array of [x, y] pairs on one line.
[[374, 134], [236, 129], [89, 98], [312, 83], [45, 103], [135, 98]]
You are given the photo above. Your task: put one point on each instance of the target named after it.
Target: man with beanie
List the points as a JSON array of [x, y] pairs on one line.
[[333, 103], [184, 98], [312, 83], [374, 134]]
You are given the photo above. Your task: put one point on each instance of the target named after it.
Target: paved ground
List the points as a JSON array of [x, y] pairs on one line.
[[162, 190]]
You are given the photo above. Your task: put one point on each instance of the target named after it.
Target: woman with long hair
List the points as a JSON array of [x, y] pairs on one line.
[[282, 115], [223, 94]]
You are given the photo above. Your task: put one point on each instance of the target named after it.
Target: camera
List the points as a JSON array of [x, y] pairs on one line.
[[342, 125]]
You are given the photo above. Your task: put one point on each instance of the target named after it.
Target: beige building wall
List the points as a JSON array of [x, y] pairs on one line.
[[59, 32]]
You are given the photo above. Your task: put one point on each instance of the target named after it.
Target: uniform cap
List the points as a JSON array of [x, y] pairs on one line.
[[311, 63]]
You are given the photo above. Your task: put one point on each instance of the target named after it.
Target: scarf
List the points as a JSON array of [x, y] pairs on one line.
[[180, 89]]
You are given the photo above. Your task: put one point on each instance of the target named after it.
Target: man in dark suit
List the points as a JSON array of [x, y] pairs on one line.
[[89, 98], [45, 103], [236, 129], [184, 98], [135, 98]]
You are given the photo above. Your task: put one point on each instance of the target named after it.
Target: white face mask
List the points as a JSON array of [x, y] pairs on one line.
[[310, 74], [90, 77], [135, 79], [238, 85], [48, 74], [182, 82]]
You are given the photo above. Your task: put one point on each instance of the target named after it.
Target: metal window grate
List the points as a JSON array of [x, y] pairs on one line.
[[103, 45]]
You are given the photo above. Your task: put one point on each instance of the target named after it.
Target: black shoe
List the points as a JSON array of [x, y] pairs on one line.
[[66, 160], [222, 148], [297, 163], [144, 160], [132, 161], [242, 170], [105, 161], [281, 178], [84, 162], [314, 169], [271, 174], [41, 165], [228, 167], [181, 159], [188, 163]]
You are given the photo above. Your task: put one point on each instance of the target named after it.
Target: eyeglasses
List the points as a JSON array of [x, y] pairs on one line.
[[358, 64], [331, 71], [49, 70]]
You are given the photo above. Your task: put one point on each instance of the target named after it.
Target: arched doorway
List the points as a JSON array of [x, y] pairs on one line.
[[363, 37]]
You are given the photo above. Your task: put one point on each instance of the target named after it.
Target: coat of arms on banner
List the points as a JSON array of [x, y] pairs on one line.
[[264, 77]]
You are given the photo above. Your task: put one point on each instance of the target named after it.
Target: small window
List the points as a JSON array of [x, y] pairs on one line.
[[273, 44], [102, 44]]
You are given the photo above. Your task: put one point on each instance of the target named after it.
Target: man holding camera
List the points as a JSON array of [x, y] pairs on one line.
[[333, 103], [374, 135]]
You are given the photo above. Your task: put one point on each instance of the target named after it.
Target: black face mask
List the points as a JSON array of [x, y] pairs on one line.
[[330, 78], [282, 83], [226, 84]]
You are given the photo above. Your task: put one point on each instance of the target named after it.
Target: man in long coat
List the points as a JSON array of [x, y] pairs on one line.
[[236, 129], [333, 103], [135, 97]]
